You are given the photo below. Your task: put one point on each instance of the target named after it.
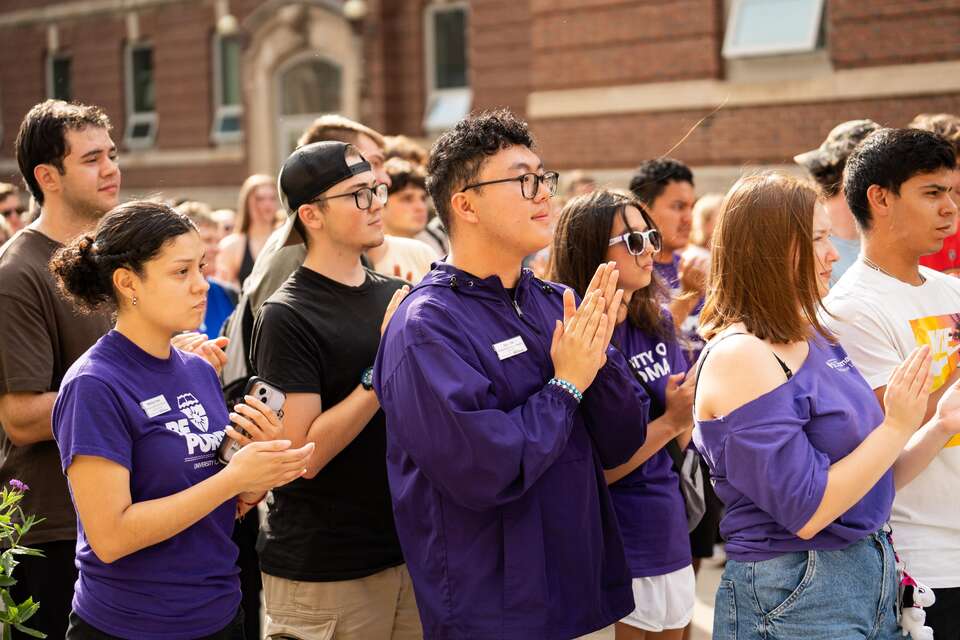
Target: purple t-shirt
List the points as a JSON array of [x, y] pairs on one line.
[[163, 421], [689, 337], [648, 502], [769, 459]]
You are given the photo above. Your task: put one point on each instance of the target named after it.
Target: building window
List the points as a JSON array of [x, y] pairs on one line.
[[141, 129], [227, 98], [307, 88], [772, 27], [311, 87], [448, 90], [58, 77]]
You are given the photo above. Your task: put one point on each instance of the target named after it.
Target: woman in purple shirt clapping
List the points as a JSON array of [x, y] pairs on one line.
[[138, 424], [593, 229], [798, 448]]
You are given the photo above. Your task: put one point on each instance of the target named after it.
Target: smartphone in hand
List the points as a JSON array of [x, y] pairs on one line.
[[267, 393]]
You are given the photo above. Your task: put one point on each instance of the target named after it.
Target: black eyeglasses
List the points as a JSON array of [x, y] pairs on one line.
[[529, 183], [363, 197], [639, 241]]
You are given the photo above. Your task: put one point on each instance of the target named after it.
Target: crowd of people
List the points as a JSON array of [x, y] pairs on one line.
[[469, 447]]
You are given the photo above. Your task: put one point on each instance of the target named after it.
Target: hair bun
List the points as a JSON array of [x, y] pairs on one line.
[[76, 270]]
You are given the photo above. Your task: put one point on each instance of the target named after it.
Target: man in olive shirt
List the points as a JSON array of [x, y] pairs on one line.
[[69, 163]]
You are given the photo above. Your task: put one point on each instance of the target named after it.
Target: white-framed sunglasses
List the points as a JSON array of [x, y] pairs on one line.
[[639, 242]]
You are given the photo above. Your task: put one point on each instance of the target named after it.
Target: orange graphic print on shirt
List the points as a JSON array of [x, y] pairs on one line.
[[942, 333]]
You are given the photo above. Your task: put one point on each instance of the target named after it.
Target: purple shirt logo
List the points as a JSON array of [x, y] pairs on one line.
[[194, 411], [840, 365]]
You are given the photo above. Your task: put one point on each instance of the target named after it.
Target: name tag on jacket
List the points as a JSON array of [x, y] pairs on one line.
[[510, 348]]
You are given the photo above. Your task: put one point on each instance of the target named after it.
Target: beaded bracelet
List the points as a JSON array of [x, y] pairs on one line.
[[568, 387]]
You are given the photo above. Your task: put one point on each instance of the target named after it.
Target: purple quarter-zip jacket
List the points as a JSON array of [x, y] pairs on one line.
[[502, 510]]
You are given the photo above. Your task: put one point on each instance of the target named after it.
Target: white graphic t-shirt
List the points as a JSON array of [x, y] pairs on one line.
[[879, 321]]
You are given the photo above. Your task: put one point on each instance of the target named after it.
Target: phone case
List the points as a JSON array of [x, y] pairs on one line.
[[267, 393]]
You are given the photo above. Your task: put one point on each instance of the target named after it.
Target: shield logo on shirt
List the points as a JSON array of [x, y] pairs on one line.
[[194, 411]]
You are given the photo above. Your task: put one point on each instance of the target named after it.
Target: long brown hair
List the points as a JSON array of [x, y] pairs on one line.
[[580, 245], [242, 224], [763, 270]]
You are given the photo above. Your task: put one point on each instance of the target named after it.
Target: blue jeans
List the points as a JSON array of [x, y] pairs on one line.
[[814, 595]]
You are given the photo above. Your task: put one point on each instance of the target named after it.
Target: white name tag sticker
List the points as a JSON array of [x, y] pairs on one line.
[[155, 406], [510, 348]]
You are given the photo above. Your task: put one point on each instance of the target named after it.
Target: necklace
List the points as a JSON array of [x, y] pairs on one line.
[[873, 265]]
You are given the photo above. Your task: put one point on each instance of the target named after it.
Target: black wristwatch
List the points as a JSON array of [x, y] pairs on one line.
[[366, 378]]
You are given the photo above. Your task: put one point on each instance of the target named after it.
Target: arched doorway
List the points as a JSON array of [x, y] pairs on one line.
[[307, 87], [303, 59]]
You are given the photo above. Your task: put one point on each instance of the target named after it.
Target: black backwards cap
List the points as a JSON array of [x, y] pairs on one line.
[[313, 168]]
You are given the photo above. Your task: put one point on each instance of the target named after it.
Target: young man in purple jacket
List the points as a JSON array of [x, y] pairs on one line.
[[503, 404]]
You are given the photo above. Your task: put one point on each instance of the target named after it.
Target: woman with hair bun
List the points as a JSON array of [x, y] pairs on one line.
[[138, 424]]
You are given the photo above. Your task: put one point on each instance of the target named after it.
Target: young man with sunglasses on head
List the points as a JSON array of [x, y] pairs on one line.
[[331, 561], [504, 403]]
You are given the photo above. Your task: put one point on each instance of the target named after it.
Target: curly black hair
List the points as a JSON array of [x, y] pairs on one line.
[[652, 177], [888, 158], [458, 155]]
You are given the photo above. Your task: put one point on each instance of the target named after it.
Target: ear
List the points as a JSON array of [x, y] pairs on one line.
[[879, 200], [47, 177], [311, 217], [126, 284], [463, 207]]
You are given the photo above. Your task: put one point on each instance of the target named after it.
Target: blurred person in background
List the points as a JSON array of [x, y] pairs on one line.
[[226, 220], [404, 218], [256, 220], [825, 165], [947, 125], [665, 187], [433, 232], [5, 231], [221, 297], [404, 148], [705, 218], [10, 207], [578, 183]]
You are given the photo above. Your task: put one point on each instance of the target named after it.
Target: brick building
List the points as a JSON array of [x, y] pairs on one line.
[[204, 92]]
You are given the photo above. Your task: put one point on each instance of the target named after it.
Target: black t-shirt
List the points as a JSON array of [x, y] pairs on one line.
[[315, 335]]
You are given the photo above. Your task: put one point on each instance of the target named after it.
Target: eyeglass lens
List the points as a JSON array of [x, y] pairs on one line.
[[639, 241], [530, 184], [364, 197]]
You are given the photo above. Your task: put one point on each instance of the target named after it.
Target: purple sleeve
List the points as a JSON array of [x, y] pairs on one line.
[[89, 420], [439, 410], [616, 411], [769, 459]]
